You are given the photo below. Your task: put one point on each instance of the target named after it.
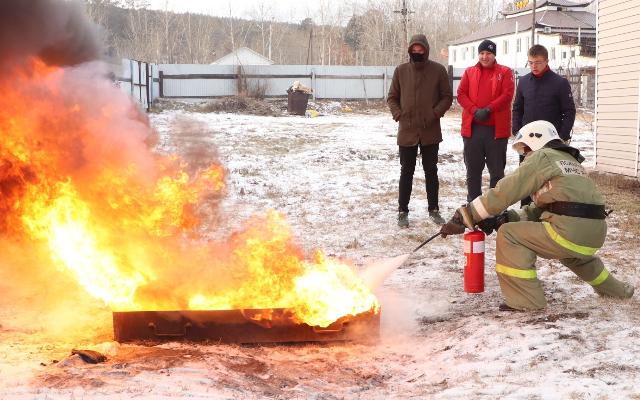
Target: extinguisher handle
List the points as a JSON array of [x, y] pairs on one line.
[[426, 241]]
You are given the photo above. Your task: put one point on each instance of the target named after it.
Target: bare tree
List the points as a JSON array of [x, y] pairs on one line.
[[348, 32]]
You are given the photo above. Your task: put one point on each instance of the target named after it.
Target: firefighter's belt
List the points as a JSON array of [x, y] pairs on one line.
[[580, 210]]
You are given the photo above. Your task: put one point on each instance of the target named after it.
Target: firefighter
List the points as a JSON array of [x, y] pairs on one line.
[[565, 222]]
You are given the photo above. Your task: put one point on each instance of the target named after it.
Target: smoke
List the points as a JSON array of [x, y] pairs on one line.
[[55, 117], [56, 31]]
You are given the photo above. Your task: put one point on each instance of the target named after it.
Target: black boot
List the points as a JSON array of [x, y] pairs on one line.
[[505, 307]]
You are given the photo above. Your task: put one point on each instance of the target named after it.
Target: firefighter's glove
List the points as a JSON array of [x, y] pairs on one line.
[[491, 224], [461, 219], [482, 114]]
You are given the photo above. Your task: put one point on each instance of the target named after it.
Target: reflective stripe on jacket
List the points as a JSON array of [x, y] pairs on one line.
[[552, 175]]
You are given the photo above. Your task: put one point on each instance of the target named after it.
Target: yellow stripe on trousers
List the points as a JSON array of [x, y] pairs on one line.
[[584, 250], [516, 273], [601, 278]]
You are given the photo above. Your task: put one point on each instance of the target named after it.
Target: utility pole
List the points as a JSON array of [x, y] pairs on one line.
[[533, 23], [405, 20], [310, 47]]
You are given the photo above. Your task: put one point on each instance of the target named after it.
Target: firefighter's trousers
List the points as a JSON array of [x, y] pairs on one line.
[[517, 246]]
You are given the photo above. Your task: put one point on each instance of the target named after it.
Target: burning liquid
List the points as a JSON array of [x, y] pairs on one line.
[[78, 178]]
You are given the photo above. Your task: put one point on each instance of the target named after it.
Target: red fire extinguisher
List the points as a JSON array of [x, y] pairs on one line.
[[474, 264]]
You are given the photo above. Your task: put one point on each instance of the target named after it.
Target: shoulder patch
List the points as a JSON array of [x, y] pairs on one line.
[[571, 168]]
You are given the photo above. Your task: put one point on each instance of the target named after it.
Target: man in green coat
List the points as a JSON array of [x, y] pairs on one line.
[[419, 96], [565, 222]]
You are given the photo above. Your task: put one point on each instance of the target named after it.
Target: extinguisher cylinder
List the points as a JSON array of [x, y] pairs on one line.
[[474, 262]]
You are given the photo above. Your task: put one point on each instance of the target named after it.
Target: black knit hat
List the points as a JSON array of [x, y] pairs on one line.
[[487, 45]]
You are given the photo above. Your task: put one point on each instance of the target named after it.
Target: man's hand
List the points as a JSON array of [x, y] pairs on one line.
[[461, 219], [491, 224], [482, 114]]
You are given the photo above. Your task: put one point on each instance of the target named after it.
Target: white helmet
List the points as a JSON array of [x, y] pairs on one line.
[[535, 135]]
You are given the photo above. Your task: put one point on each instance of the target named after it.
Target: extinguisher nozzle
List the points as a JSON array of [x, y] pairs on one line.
[[426, 241]]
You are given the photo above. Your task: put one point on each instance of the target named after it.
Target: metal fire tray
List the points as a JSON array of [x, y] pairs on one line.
[[238, 326]]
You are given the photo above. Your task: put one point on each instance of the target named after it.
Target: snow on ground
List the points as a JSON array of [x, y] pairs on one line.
[[335, 177]]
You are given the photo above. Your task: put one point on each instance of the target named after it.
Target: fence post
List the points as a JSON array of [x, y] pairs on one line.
[[161, 83], [133, 86], [364, 88], [146, 78], [140, 81], [384, 85], [313, 84]]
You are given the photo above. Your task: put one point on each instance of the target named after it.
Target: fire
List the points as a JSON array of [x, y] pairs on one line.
[[318, 291], [77, 176]]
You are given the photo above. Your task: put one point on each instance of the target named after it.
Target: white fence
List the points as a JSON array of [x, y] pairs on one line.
[[136, 78], [147, 82], [328, 82]]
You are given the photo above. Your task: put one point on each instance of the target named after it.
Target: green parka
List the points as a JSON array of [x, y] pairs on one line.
[[419, 96], [548, 175]]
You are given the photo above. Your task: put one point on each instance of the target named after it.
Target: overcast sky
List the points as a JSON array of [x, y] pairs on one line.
[[282, 10]]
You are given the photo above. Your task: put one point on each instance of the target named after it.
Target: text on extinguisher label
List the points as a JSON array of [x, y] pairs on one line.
[[478, 247]]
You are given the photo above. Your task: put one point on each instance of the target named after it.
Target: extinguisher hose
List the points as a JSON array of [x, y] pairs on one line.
[[426, 241]]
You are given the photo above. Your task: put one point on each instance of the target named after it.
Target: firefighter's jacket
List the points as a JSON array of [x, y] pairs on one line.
[[548, 175]]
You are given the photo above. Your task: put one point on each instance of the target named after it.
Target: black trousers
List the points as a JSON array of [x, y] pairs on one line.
[[408, 155], [481, 149]]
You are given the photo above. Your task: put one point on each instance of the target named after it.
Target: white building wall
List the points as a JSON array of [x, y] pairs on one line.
[[466, 55], [618, 88]]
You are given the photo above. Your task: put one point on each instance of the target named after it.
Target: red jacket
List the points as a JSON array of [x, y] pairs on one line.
[[502, 88]]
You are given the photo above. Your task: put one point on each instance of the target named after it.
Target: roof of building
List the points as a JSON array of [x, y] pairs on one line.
[[243, 56], [545, 3], [558, 21]]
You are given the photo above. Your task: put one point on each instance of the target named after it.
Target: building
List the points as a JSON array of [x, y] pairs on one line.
[[566, 28], [243, 56], [617, 119]]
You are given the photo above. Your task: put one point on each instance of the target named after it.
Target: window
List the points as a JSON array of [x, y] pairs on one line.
[[553, 53], [518, 45], [528, 45], [573, 54], [454, 55], [505, 46], [564, 55]]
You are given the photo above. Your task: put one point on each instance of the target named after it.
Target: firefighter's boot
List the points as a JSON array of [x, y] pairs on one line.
[[612, 287]]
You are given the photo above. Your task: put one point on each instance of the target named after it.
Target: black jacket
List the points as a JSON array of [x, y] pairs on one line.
[[546, 98]]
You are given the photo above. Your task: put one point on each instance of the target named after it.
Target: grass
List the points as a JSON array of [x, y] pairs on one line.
[[622, 194]]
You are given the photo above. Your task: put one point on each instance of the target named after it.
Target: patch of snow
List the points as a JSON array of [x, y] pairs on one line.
[[336, 178]]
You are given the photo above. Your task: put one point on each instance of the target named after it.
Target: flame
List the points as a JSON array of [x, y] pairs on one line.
[[77, 175]]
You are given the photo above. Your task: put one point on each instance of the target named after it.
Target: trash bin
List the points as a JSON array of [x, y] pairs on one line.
[[297, 102]]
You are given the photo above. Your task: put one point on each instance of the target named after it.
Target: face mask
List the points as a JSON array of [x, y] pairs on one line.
[[416, 57]]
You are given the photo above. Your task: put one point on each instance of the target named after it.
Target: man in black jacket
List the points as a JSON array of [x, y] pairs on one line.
[[543, 95]]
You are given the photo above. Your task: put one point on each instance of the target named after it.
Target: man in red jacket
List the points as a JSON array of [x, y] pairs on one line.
[[485, 94]]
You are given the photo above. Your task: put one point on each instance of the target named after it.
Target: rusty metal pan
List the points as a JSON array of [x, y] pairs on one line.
[[238, 326]]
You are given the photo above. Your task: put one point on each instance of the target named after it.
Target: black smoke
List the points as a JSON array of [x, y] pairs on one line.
[[57, 31]]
